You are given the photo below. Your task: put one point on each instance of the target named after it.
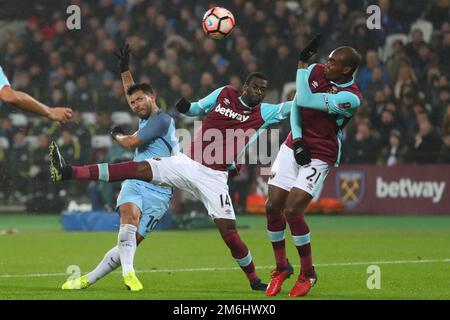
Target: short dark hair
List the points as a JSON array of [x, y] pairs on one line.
[[144, 87], [258, 75]]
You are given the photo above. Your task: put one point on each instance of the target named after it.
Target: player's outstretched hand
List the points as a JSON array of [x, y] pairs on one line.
[[124, 57], [310, 49], [117, 131], [302, 154], [60, 114], [183, 105]]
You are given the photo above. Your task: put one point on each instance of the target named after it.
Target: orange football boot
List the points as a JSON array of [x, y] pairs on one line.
[[277, 279], [303, 285]]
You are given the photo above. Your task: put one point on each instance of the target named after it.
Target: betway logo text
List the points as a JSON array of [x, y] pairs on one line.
[[405, 188], [230, 113]]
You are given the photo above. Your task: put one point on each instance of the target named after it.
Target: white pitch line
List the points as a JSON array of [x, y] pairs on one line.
[[338, 264]]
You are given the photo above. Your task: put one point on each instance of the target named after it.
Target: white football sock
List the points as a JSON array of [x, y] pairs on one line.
[[126, 241], [110, 262]]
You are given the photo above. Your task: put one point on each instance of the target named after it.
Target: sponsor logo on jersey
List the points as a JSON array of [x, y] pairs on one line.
[[350, 187], [230, 113]]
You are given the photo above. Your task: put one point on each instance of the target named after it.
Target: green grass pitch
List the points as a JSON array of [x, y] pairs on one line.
[[413, 254]]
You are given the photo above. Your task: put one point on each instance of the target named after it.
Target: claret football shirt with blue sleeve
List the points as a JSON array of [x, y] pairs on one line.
[[226, 114], [321, 110]]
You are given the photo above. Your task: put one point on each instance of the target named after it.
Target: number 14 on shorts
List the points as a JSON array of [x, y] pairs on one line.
[[225, 200]]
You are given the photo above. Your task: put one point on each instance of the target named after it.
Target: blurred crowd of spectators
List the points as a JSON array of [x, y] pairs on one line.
[[405, 116]]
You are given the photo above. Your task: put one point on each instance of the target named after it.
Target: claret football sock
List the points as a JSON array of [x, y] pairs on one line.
[[302, 239], [276, 224], [105, 171], [89, 172], [241, 254]]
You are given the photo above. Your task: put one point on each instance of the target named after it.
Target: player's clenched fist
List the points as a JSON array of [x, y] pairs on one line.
[[117, 131], [310, 49], [124, 57], [302, 154], [60, 114]]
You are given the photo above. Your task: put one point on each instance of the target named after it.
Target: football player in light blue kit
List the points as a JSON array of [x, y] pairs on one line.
[[141, 204], [26, 102]]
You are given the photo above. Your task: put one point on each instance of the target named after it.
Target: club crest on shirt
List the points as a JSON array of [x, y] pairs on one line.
[[332, 90]]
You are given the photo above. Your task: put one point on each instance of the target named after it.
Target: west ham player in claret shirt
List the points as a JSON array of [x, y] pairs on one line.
[[325, 101], [232, 120]]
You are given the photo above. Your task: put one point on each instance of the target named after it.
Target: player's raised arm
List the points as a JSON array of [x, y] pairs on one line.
[[309, 51], [306, 54], [302, 154], [295, 120], [198, 108], [124, 60]]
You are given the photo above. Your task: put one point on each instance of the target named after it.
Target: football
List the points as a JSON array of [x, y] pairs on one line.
[[218, 22]]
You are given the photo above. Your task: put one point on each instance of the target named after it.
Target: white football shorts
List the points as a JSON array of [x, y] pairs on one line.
[[287, 174], [206, 184]]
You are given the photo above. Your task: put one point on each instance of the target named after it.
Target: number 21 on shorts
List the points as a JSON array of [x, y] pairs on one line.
[[311, 177]]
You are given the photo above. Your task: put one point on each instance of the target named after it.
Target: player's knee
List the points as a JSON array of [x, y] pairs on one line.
[[144, 171], [273, 208], [232, 240], [225, 226], [292, 211], [297, 203], [128, 217]]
